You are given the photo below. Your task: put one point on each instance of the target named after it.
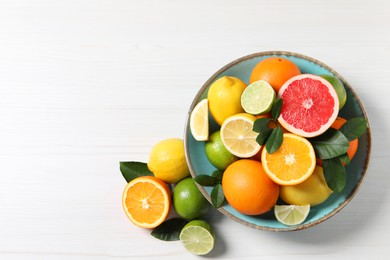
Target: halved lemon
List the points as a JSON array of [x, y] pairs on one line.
[[199, 121], [238, 137]]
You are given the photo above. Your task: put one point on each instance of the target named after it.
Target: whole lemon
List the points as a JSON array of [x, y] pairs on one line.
[[312, 191], [224, 97], [167, 160]]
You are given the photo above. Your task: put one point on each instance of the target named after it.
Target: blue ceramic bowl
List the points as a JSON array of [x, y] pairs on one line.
[[356, 170]]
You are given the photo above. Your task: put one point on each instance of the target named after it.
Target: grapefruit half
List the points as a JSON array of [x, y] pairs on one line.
[[310, 105]]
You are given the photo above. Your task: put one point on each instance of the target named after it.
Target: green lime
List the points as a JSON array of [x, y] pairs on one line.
[[217, 153], [197, 237], [291, 215], [339, 87], [188, 201], [258, 98]]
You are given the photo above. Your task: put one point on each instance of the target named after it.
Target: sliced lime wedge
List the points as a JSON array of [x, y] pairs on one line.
[[291, 215], [258, 98], [197, 237]]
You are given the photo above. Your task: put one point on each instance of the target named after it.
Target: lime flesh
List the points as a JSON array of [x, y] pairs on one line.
[[291, 215], [258, 98], [197, 237]]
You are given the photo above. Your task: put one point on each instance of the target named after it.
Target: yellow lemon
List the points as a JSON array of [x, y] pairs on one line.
[[167, 160], [225, 98], [312, 191]]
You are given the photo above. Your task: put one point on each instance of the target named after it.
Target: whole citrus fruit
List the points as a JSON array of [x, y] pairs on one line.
[[224, 97], [339, 87], [275, 70], [167, 160], [217, 153], [188, 201], [312, 191], [247, 187]]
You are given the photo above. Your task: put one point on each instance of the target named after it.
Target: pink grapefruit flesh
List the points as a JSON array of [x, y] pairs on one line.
[[310, 105]]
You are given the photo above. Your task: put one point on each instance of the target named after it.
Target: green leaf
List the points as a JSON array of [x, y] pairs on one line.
[[217, 176], [263, 136], [261, 124], [170, 229], [344, 158], [276, 108], [330, 144], [335, 174], [132, 170], [354, 128], [205, 180], [275, 140], [217, 196]]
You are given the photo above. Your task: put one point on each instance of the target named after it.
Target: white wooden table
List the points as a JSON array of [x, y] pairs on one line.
[[85, 84]]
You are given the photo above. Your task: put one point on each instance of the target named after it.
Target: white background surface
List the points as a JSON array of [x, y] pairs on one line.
[[86, 84]]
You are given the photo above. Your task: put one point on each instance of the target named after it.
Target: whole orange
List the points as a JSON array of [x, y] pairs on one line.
[[247, 187], [275, 70]]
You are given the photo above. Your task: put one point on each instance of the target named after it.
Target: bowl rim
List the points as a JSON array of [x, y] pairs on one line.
[[278, 53]]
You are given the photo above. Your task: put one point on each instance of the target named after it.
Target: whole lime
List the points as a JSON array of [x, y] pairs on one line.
[[339, 87], [217, 153], [188, 201]]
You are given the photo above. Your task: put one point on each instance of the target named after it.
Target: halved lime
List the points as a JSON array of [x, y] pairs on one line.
[[197, 237], [258, 97], [291, 215]]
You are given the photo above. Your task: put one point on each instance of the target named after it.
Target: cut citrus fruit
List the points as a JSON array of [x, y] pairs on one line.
[[199, 121], [197, 237], [291, 215], [258, 98], [238, 137], [146, 201], [310, 105], [292, 163]]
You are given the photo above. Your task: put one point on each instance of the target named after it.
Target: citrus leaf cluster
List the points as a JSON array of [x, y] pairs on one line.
[[214, 180], [332, 148], [271, 137]]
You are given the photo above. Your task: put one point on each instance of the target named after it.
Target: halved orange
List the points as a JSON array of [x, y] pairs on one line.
[[146, 201], [292, 163]]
